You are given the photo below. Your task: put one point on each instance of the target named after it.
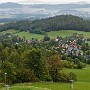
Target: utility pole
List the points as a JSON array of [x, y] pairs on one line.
[[5, 81], [71, 85], [5, 78]]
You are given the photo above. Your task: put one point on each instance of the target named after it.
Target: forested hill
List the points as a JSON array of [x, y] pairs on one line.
[[62, 22]]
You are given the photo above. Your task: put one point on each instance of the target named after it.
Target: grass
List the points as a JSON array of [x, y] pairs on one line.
[[52, 86], [52, 34], [88, 42], [83, 75], [27, 88], [83, 83], [29, 36], [1, 85], [65, 86], [64, 33], [9, 31]]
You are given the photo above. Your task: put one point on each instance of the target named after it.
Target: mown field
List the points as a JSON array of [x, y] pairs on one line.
[[83, 82]]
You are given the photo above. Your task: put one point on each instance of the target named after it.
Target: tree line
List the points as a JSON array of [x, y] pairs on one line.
[[61, 22]]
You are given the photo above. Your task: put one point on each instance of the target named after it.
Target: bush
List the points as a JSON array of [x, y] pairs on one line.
[[88, 61], [81, 65], [74, 64], [72, 76], [66, 77], [46, 38]]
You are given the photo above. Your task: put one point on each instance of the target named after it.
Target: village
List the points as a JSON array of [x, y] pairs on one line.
[[72, 45]]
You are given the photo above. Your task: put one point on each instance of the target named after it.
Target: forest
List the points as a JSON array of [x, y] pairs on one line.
[[61, 22]]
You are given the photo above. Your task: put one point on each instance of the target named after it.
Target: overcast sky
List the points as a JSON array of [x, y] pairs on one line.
[[44, 1]]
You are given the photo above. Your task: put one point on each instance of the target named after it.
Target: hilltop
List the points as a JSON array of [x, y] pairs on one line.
[[61, 22]]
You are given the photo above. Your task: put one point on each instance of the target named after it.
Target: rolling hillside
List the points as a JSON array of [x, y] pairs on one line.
[[57, 23]]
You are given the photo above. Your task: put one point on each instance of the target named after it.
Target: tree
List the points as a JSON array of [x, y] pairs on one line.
[[10, 69], [35, 62], [46, 38], [55, 65]]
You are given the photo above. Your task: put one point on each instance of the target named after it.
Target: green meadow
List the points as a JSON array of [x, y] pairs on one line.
[[83, 75], [52, 34], [29, 36], [64, 33]]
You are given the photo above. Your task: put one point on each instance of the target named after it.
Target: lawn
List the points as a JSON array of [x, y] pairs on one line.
[[83, 82]]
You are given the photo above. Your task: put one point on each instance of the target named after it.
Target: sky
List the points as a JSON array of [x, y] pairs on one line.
[[44, 1]]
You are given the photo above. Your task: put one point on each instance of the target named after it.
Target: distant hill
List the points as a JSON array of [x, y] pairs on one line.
[[38, 11], [80, 2], [10, 5], [62, 22]]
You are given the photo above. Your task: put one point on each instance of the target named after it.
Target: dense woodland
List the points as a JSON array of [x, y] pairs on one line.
[[28, 63], [62, 22]]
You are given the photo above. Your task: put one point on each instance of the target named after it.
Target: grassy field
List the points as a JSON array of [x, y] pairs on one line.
[[51, 86], [53, 34], [64, 33], [83, 82], [9, 31], [29, 36], [83, 75]]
